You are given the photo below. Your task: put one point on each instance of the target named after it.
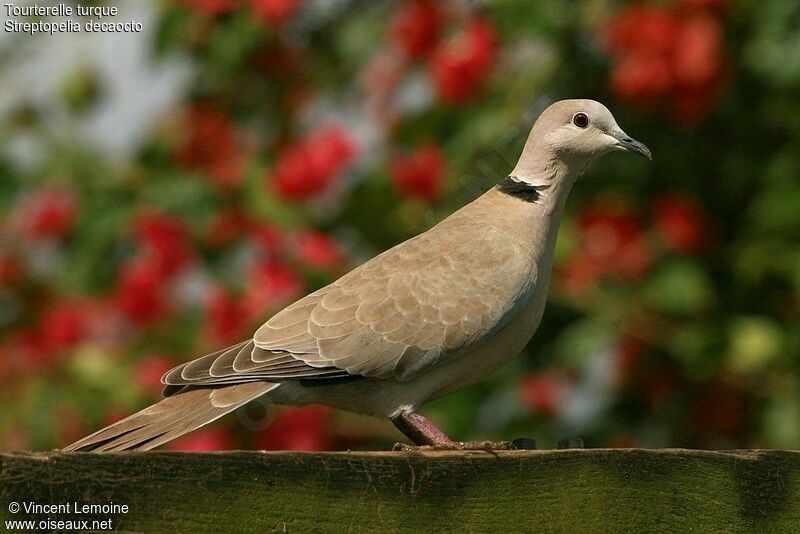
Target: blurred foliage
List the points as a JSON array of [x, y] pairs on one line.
[[315, 134]]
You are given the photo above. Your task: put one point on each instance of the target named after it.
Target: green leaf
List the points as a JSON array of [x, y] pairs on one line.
[[172, 30], [188, 196], [754, 342], [781, 422], [697, 346], [267, 206], [678, 287], [581, 339], [90, 265]]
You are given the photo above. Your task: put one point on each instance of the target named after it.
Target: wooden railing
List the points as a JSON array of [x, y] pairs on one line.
[[591, 490]]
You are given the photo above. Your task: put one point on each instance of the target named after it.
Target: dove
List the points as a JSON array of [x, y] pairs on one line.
[[428, 317]]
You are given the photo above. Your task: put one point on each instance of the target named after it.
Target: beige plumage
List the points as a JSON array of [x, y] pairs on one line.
[[425, 318]]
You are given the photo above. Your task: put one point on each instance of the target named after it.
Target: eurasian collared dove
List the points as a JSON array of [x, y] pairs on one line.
[[432, 315]]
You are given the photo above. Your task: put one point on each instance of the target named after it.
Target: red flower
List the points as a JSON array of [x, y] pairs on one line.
[[267, 238], [669, 56], [9, 270], [28, 351], [642, 78], [227, 317], [274, 12], [698, 51], [149, 370], [141, 292], [212, 8], [203, 440], [611, 236], [212, 146], [681, 223], [270, 285], [611, 243], [48, 213], [579, 273], [644, 27], [643, 38], [63, 325], [419, 174], [309, 166], [379, 80], [416, 27], [299, 429], [460, 68], [226, 227], [317, 250], [633, 260], [543, 392], [164, 240]]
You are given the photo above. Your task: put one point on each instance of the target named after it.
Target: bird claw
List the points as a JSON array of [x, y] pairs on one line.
[[458, 446]]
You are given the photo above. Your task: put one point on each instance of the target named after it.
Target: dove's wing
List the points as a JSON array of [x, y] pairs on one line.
[[405, 310]]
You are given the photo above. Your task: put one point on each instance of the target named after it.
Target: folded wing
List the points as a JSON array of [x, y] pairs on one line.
[[405, 310]]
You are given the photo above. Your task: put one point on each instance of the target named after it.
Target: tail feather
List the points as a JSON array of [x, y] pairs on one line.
[[172, 417]]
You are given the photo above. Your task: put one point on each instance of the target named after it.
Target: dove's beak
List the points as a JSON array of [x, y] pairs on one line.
[[625, 142]]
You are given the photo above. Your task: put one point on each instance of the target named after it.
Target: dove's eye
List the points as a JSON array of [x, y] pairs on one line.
[[581, 120]]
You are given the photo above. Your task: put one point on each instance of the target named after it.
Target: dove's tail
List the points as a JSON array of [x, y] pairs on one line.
[[172, 417]]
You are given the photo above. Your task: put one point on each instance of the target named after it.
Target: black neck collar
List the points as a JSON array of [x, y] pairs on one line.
[[521, 190]]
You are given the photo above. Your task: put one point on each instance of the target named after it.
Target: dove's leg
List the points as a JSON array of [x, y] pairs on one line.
[[427, 436], [420, 429]]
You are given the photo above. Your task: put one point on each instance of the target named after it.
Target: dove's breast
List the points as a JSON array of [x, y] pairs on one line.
[[534, 228], [498, 349]]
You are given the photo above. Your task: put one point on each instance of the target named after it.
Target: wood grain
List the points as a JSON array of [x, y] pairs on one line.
[[593, 490]]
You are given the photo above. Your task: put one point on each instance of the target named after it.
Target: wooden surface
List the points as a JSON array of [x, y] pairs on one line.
[[593, 490]]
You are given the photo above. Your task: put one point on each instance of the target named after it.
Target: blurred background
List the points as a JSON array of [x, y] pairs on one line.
[[163, 192]]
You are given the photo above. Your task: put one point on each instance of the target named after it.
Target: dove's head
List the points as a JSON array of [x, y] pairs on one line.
[[571, 133]]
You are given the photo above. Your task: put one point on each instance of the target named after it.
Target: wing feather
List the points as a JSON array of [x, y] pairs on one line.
[[408, 309]]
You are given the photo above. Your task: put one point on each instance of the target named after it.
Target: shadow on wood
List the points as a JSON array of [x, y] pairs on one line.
[[592, 490]]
